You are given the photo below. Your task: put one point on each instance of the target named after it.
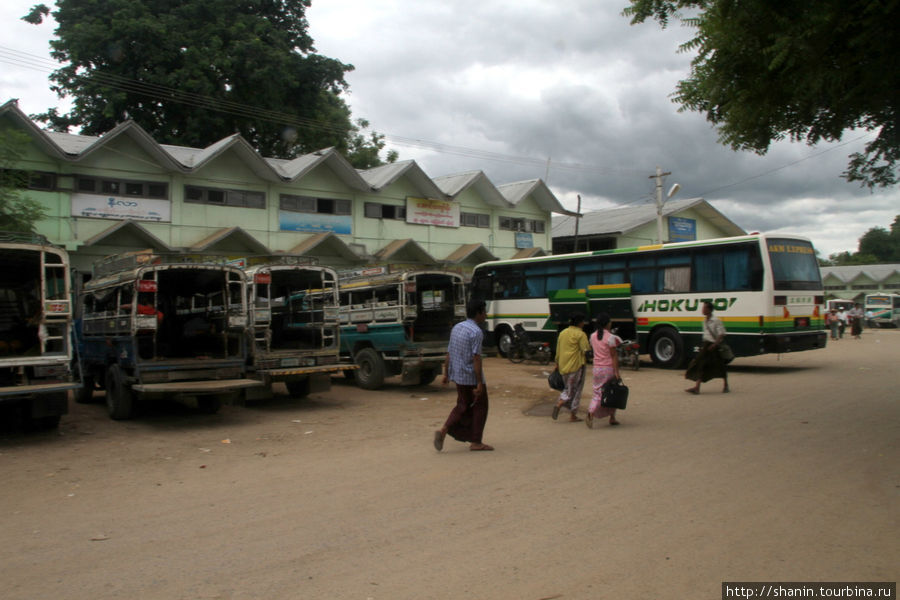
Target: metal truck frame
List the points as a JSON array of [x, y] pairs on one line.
[[173, 325], [398, 323], [35, 328], [294, 324]]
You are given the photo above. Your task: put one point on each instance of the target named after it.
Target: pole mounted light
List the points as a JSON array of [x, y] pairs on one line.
[[659, 200]]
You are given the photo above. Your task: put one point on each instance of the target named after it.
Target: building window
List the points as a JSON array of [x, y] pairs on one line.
[[835, 287], [322, 206], [517, 224], [219, 197], [474, 220], [865, 286], [891, 286], [30, 180], [122, 187], [375, 210]]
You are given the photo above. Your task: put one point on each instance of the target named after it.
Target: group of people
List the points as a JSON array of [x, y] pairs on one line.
[[838, 320], [574, 351]]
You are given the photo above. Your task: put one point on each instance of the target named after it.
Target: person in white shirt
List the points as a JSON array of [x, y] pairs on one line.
[[709, 364]]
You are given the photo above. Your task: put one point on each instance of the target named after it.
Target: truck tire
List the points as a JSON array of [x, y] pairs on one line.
[[85, 394], [426, 376], [370, 374], [209, 405], [298, 388], [119, 398], [667, 348]]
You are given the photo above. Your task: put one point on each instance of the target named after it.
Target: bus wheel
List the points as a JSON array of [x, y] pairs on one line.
[[504, 341], [298, 389], [119, 398], [666, 348], [370, 374]]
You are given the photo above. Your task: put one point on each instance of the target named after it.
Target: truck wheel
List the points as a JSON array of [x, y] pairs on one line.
[[666, 348], [119, 398], [209, 405], [298, 389], [85, 395], [504, 341], [370, 374], [426, 376]]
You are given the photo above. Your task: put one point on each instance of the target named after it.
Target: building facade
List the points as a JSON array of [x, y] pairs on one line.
[[682, 221], [854, 282], [123, 191]]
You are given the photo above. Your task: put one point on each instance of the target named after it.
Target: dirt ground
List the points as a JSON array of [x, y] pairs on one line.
[[794, 476]]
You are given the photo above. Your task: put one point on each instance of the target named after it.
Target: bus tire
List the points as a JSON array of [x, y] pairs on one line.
[[119, 398], [370, 374], [504, 340], [298, 388], [667, 348]]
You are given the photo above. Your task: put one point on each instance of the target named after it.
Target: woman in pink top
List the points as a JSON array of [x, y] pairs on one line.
[[606, 367]]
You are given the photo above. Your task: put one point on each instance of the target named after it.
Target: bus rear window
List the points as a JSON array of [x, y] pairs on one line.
[[794, 265]]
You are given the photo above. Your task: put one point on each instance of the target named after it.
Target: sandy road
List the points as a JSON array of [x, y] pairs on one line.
[[795, 475]]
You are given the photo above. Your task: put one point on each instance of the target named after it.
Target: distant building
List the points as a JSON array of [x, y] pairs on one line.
[[683, 220], [124, 191], [853, 282]]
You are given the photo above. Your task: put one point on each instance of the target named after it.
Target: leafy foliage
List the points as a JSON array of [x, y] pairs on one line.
[[765, 71], [877, 245], [192, 72], [16, 213]]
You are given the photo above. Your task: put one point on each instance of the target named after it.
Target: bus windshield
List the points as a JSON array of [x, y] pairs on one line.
[[794, 265]]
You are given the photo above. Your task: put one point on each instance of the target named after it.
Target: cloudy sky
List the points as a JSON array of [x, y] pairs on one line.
[[566, 91]]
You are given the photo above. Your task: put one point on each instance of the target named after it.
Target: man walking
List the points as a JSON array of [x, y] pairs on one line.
[[463, 366]]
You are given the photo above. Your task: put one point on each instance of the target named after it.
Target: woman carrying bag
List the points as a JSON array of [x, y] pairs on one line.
[[606, 368], [714, 355]]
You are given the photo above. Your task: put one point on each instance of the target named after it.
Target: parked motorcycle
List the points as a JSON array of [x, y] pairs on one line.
[[521, 348], [629, 354]]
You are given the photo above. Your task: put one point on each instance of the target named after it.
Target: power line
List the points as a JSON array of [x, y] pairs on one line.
[[164, 93]]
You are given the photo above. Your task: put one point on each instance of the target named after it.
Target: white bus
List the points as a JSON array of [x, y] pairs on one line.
[[766, 289], [885, 309]]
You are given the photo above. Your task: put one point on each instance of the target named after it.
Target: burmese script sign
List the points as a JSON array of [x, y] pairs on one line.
[[114, 207], [425, 211]]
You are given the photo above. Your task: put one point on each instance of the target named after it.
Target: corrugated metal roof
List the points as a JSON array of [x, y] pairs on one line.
[[848, 273], [622, 220]]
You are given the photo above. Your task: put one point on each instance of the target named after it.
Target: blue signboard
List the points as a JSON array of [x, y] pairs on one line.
[[682, 230], [314, 222], [524, 240]]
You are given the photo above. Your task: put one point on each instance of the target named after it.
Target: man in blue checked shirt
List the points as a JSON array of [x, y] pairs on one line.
[[463, 366]]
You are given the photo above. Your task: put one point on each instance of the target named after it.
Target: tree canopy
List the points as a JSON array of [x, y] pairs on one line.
[[16, 213], [877, 245], [192, 72], [765, 71]]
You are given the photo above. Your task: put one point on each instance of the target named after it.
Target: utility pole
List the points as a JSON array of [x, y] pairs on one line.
[[577, 220], [659, 202]]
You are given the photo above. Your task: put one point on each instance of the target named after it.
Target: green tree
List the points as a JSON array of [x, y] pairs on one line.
[[765, 71], [16, 213], [879, 243], [192, 72]]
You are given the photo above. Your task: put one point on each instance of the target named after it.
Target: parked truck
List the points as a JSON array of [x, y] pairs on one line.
[[35, 328], [164, 325], [294, 324], [398, 323]]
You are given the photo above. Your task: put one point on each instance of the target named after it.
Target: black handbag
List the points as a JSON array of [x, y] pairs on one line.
[[555, 380], [614, 394]]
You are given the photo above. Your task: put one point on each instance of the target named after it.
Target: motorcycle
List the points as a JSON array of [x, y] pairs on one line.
[[629, 354], [521, 348]]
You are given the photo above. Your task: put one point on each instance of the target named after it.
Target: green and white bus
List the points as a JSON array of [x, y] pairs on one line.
[[767, 290], [885, 309]]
